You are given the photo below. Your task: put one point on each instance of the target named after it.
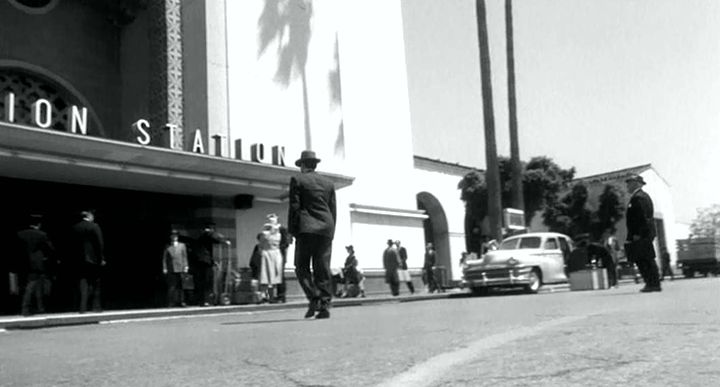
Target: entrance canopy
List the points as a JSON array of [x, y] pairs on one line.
[[37, 154]]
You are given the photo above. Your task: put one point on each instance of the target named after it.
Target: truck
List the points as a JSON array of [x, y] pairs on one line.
[[699, 255]]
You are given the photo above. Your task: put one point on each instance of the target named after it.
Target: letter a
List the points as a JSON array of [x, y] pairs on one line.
[[198, 146]]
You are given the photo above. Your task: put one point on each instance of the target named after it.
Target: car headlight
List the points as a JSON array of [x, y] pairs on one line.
[[512, 261]]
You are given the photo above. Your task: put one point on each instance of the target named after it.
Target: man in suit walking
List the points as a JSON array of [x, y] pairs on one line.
[[641, 232], [311, 220], [34, 253], [89, 246]]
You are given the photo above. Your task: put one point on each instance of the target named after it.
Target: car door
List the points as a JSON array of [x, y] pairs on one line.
[[553, 263]]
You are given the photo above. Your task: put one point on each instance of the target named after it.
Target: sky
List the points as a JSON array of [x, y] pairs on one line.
[[601, 85]]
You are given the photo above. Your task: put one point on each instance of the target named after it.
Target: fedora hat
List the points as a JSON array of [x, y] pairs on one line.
[[635, 177], [306, 155]]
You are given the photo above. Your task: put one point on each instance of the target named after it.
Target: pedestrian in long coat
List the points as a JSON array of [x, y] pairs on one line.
[[89, 257], [391, 263]]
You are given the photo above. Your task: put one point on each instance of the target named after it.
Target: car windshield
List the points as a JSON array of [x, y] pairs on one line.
[[524, 243], [529, 243]]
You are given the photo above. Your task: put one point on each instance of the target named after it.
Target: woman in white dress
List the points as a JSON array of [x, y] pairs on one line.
[[271, 262]]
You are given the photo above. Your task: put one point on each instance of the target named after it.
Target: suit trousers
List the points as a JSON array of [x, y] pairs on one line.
[[35, 288], [175, 292], [90, 286], [315, 249], [394, 288], [204, 283], [649, 271]]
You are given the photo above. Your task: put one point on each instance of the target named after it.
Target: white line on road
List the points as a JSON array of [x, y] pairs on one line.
[[429, 371]]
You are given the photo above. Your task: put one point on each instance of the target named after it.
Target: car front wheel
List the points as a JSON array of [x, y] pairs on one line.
[[535, 281]]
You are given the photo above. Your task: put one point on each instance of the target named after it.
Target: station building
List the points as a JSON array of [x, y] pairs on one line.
[[167, 114]]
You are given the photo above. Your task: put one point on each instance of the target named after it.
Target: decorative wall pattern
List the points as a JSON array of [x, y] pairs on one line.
[[166, 88]]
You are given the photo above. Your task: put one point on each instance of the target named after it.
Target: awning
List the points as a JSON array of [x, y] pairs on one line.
[[47, 155]]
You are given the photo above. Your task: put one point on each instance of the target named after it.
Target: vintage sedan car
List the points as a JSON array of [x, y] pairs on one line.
[[526, 260]]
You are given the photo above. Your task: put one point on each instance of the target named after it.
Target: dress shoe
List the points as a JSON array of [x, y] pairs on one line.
[[323, 313], [312, 307]]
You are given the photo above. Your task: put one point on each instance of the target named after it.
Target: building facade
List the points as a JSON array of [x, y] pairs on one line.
[[167, 114]]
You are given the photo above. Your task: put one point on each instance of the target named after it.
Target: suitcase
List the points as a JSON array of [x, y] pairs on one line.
[[589, 279]]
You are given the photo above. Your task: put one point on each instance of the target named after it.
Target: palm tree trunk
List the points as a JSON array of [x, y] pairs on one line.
[[492, 174], [517, 186]]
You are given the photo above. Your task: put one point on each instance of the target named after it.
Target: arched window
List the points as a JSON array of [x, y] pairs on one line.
[[36, 7], [27, 88]]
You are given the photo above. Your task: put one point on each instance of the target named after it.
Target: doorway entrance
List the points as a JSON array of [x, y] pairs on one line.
[[436, 232], [135, 228]]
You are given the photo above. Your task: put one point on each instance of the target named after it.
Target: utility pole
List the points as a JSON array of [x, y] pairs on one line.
[[492, 174], [518, 201]]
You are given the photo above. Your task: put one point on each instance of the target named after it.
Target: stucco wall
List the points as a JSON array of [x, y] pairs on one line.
[[313, 75]]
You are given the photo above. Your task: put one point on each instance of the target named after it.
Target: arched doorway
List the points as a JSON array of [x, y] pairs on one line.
[[436, 231]]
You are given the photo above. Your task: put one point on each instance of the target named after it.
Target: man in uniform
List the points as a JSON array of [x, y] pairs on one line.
[[641, 232], [311, 221]]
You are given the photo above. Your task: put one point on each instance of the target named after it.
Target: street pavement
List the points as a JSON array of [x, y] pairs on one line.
[[559, 338]]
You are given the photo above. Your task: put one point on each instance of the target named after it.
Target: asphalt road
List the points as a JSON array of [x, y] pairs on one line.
[[610, 337]]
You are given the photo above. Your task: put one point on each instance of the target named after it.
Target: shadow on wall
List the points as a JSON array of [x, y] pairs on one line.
[[287, 23], [336, 99]]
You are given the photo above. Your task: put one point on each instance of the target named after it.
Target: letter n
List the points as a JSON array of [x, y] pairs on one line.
[[78, 119]]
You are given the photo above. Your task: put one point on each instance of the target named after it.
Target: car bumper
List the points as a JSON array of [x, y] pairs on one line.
[[516, 276]]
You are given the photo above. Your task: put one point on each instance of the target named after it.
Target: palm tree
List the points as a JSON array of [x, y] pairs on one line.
[[492, 173], [517, 183]]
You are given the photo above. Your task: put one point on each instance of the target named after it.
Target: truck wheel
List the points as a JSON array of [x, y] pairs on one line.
[[688, 273], [535, 281]]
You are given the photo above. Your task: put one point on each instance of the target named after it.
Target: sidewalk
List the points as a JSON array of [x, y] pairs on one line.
[[74, 318]]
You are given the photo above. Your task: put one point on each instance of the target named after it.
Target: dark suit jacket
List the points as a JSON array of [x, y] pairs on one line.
[[88, 241], [403, 258], [34, 249], [391, 263], [639, 218], [640, 223], [205, 242], [312, 205]]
